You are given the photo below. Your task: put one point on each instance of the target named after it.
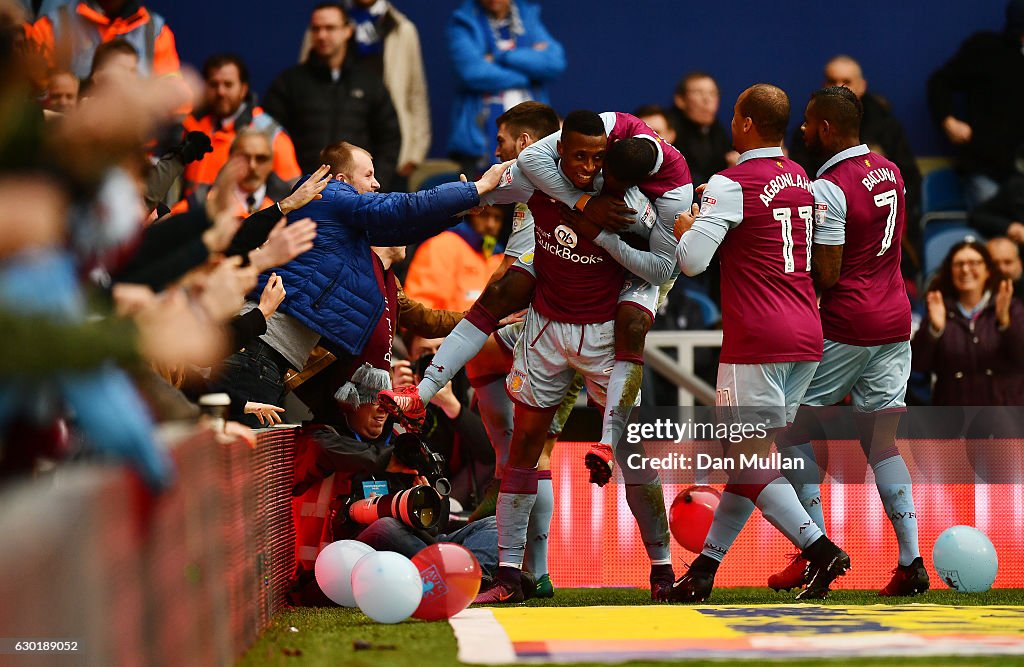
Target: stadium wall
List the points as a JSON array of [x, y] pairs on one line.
[[623, 55], [189, 577]]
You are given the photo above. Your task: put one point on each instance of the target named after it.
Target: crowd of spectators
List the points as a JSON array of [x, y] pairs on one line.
[[145, 258]]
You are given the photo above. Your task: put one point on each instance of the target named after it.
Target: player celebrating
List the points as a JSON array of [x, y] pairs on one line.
[[668, 185], [865, 318], [757, 216], [518, 128], [569, 328]]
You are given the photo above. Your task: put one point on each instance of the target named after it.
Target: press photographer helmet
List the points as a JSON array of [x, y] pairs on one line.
[[420, 507]]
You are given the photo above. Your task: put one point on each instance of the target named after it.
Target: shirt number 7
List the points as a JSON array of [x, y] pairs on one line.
[[883, 199]]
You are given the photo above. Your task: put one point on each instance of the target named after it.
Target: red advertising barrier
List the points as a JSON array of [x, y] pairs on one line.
[[595, 542]]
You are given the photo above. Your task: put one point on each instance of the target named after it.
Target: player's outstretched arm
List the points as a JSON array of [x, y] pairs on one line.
[[513, 187], [721, 209]]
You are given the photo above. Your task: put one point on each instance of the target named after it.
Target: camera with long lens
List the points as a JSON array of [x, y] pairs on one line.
[[412, 451], [420, 507]]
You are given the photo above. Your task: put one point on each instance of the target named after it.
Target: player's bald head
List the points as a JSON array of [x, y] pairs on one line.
[[841, 107], [767, 106]]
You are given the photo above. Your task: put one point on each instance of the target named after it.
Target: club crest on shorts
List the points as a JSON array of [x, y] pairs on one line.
[[566, 236], [516, 380]]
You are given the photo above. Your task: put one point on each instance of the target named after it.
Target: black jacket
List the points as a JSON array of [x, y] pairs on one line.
[[704, 149], [992, 217], [341, 452], [317, 112], [988, 71], [880, 130]]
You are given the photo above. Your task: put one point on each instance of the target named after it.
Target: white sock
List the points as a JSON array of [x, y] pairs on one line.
[[540, 525], [623, 390], [461, 345], [732, 514], [892, 478], [779, 504], [807, 490]]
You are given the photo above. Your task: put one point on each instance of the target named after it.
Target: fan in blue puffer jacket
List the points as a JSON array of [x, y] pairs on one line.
[[333, 294]]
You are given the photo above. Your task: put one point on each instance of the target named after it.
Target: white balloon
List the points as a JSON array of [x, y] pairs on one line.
[[965, 559], [387, 586], [333, 569]]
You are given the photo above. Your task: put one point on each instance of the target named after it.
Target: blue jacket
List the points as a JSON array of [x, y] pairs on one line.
[[332, 288], [469, 41]]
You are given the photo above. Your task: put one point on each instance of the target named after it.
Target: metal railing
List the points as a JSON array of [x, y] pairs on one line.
[[680, 371]]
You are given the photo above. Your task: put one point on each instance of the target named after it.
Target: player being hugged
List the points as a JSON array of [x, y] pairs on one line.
[[667, 186], [569, 329], [757, 216]]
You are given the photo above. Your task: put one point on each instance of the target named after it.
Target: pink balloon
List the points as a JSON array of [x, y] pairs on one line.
[[451, 579], [691, 515]]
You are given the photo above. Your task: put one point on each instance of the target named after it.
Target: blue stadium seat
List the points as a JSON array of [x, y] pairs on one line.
[[936, 247], [940, 221], [941, 191], [708, 309], [438, 179]]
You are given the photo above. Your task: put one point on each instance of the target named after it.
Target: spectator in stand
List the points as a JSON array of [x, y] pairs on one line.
[[974, 334], [502, 55], [879, 129], [61, 92], [67, 36], [699, 136], [251, 194], [1003, 214], [1006, 255], [987, 72], [228, 108], [117, 56], [330, 98], [450, 271], [656, 116], [388, 42]]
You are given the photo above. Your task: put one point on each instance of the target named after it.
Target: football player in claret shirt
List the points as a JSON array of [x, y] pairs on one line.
[[669, 188], [570, 329], [865, 319], [757, 216]]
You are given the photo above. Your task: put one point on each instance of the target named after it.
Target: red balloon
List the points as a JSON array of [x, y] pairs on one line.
[[451, 579], [691, 515]]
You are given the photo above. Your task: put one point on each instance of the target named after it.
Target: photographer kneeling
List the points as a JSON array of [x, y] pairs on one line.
[[390, 490]]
